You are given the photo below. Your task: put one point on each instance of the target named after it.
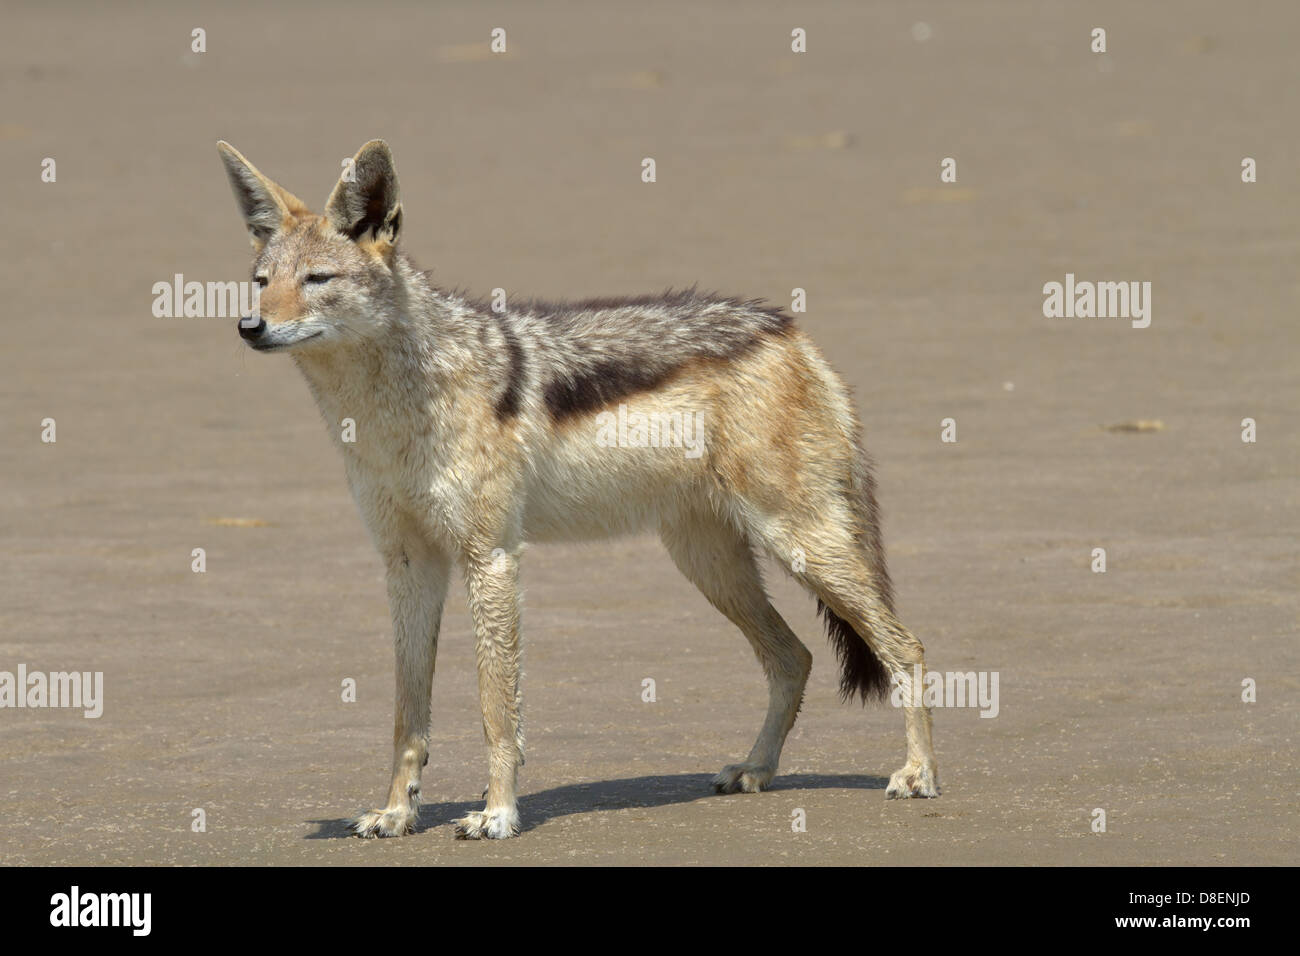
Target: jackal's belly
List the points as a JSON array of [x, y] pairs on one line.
[[610, 491]]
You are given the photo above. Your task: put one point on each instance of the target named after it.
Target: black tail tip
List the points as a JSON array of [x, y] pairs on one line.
[[861, 673]]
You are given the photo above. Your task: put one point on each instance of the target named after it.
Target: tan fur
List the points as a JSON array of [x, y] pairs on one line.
[[444, 474]]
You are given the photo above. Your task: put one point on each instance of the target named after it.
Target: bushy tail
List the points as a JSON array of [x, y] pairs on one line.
[[861, 672]]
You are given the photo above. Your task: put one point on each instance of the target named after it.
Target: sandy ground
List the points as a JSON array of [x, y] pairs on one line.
[[1119, 691]]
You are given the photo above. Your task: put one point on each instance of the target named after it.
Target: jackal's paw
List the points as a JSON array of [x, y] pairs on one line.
[[384, 823], [743, 778], [913, 781], [488, 825]]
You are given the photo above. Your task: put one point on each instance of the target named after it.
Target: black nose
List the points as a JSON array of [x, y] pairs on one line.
[[251, 332]]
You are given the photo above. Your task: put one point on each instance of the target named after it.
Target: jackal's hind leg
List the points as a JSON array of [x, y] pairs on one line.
[[719, 561], [841, 575]]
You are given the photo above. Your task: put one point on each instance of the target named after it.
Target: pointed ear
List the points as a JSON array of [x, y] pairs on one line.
[[365, 199], [266, 207]]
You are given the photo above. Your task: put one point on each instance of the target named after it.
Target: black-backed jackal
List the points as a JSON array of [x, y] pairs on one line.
[[480, 429]]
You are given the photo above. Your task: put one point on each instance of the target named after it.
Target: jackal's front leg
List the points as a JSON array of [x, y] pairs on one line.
[[494, 603], [417, 585]]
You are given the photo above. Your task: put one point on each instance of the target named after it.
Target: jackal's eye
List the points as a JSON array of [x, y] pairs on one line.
[[315, 278], [261, 281]]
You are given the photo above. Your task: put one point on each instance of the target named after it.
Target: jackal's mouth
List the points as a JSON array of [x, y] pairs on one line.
[[270, 345]]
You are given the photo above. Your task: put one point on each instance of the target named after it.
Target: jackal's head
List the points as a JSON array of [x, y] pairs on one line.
[[323, 279]]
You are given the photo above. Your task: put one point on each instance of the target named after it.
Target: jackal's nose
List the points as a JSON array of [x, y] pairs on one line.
[[250, 331]]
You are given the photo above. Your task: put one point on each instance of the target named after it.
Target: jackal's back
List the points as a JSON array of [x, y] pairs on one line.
[[587, 355]]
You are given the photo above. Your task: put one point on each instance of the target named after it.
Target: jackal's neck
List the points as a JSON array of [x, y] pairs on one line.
[[406, 368]]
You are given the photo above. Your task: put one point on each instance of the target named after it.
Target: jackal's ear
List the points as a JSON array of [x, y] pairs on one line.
[[266, 207], [364, 203]]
